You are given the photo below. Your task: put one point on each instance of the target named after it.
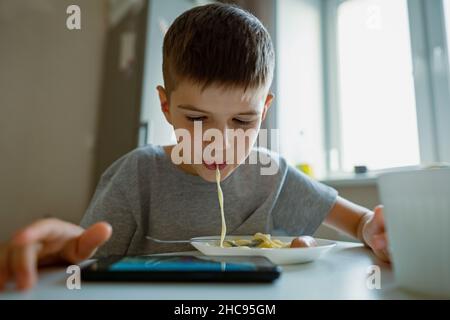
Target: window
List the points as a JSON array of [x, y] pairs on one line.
[[363, 82], [299, 93], [447, 23], [377, 123]]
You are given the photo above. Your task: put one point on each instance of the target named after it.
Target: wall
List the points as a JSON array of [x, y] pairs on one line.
[[49, 92]]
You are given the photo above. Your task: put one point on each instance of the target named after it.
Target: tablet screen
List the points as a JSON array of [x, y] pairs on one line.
[[178, 263]]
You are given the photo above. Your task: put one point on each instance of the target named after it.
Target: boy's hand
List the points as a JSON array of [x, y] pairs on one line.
[[375, 236], [45, 242]]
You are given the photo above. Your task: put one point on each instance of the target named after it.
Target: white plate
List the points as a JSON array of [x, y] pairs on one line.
[[277, 256]]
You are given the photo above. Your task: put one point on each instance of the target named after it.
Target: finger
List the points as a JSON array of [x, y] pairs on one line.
[[383, 255], [376, 223], [45, 229], [387, 254], [379, 241], [379, 215], [24, 265], [85, 246], [4, 268]]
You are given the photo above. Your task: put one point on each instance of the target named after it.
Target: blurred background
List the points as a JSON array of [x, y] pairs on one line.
[[362, 86]]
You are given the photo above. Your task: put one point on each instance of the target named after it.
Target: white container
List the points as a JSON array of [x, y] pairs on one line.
[[417, 212]]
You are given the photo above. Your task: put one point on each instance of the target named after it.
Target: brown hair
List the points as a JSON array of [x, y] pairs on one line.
[[218, 44]]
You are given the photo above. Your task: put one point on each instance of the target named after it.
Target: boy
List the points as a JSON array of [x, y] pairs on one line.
[[218, 64]]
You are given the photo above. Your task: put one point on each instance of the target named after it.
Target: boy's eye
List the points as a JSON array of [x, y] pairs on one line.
[[242, 122], [193, 119]]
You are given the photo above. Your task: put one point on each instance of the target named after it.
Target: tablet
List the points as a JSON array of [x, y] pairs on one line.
[[182, 268]]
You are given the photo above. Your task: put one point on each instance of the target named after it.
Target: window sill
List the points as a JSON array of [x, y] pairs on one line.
[[369, 179], [351, 180]]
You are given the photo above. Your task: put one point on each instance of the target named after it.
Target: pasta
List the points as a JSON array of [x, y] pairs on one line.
[[222, 214], [259, 240]]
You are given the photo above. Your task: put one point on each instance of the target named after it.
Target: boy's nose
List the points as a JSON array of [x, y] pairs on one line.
[[226, 143], [223, 145]]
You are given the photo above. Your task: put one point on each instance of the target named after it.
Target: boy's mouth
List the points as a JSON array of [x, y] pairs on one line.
[[213, 165]]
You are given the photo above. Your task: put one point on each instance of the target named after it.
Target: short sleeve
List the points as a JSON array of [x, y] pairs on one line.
[[302, 204], [110, 204]]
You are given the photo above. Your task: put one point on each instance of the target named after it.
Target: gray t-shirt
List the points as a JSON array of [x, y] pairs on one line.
[[144, 193]]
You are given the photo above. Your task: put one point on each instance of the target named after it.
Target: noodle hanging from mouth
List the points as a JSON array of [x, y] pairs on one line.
[[222, 214]]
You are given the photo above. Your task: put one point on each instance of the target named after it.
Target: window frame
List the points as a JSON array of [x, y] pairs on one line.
[[431, 81], [431, 76]]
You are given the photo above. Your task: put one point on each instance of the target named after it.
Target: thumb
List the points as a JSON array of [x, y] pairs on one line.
[[84, 246], [379, 216], [380, 241], [374, 226], [378, 213], [378, 219]]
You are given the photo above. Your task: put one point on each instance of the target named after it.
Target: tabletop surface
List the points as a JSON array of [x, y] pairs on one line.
[[343, 273]]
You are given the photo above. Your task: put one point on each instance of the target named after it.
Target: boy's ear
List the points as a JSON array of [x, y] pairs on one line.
[[267, 105], [164, 103]]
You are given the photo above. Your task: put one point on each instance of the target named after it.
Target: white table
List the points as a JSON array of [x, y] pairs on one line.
[[340, 274]]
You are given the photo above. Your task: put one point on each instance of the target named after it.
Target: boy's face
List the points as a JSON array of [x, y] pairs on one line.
[[224, 109]]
